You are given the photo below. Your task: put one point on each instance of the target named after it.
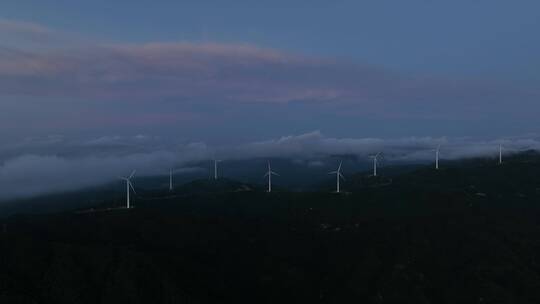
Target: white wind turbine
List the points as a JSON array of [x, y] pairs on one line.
[[171, 180], [500, 154], [338, 176], [128, 185], [216, 161], [437, 152], [375, 162], [269, 174]]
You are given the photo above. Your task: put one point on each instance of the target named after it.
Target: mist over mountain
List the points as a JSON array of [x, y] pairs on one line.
[[70, 164], [295, 175]]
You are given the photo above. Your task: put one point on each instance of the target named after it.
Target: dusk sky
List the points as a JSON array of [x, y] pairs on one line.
[[246, 71], [238, 72]]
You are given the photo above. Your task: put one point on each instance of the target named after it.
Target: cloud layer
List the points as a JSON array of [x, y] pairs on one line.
[[38, 166]]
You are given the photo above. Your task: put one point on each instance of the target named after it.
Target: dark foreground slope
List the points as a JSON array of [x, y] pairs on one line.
[[465, 234]]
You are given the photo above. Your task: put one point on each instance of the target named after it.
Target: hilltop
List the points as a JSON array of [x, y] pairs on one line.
[[467, 233]]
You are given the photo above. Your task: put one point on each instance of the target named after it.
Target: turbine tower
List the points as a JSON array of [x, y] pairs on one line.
[[338, 176], [500, 154], [269, 174], [129, 185], [437, 151], [375, 161], [171, 180], [216, 161]]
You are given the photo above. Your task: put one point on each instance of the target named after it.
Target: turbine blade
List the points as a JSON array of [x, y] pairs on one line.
[[132, 174], [332, 172], [272, 172], [265, 175], [339, 168], [341, 175], [131, 185]]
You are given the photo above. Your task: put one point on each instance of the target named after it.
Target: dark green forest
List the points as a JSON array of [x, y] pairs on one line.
[[467, 233]]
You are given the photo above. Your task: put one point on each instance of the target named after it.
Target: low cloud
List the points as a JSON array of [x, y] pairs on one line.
[[46, 166], [315, 144], [38, 166]]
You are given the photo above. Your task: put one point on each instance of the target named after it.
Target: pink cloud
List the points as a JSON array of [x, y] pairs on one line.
[[23, 28], [91, 119], [184, 70], [226, 74]]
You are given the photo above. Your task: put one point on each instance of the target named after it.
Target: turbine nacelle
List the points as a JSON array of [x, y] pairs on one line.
[[338, 173], [128, 179], [375, 156]]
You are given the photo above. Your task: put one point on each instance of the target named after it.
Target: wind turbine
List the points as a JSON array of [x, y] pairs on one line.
[[128, 185], [216, 161], [269, 174], [500, 154], [170, 180], [338, 176], [437, 151], [375, 161]]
